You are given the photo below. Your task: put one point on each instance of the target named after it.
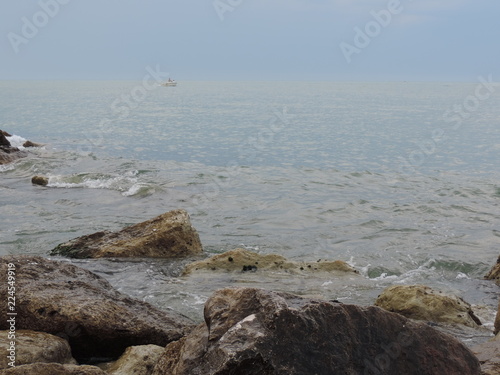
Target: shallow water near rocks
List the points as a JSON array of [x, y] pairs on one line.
[[349, 171]]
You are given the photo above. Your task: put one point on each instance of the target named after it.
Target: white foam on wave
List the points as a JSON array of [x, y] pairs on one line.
[[127, 184], [16, 141], [6, 167]]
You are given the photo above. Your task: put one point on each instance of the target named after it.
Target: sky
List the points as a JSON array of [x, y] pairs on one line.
[[239, 40]]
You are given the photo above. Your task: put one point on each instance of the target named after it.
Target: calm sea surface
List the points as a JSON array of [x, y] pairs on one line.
[[402, 180]]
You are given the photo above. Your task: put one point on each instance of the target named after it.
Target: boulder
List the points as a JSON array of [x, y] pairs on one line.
[[488, 354], [242, 260], [166, 236], [82, 307], [34, 347], [39, 180], [253, 331], [53, 369], [423, 303], [137, 360], [494, 273]]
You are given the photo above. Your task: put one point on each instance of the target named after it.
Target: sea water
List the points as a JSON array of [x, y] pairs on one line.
[[400, 179]]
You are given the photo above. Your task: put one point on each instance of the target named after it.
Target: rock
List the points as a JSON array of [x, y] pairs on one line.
[[39, 180], [53, 369], [82, 307], [489, 357], [8, 153], [32, 144], [494, 273], [137, 360], [253, 331], [34, 347], [4, 141], [423, 303], [166, 236], [244, 260]]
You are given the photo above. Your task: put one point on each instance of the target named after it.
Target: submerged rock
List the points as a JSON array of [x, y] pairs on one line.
[[253, 331], [244, 260], [494, 273], [39, 180], [82, 307], [137, 360], [423, 303], [53, 369], [166, 236], [32, 144], [34, 347]]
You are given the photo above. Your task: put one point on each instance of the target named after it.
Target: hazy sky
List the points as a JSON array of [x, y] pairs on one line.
[[375, 40]]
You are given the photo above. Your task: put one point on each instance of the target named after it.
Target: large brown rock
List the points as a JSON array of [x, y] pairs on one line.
[[137, 360], [244, 260], [68, 301], [253, 331], [31, 347], [494, 273], [166, 236], [53, 369], [423, 303]]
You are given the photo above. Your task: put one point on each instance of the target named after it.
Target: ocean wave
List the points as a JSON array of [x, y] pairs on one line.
[[128, 184], [16, 141]]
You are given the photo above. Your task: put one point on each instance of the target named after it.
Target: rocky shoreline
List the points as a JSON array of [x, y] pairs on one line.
[[87, 327], [64, 319]]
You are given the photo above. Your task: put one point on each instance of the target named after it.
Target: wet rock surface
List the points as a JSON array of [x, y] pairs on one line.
[[136, 360], [253, 331], [488, 354], [424, 303], [39, 180], [494, 273], [169, 235], [245, 261], [53, 369], [80, 306], [34, 347]]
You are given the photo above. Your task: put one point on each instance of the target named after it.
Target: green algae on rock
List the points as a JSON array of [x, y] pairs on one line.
[[169, 235]]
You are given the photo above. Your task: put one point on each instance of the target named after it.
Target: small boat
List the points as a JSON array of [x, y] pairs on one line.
[[170, 82]]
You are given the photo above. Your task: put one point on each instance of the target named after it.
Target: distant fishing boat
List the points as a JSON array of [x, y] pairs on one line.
[[170, 82]]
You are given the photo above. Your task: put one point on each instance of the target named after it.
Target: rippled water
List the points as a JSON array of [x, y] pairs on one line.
[[376, 174]]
